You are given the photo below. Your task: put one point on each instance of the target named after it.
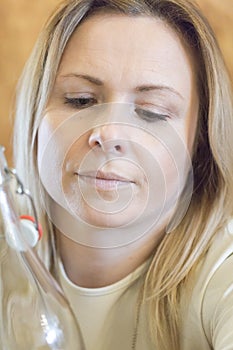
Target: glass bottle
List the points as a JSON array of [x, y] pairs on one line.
[[34, 313]]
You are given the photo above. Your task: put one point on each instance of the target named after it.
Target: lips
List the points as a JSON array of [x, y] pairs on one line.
[[104, 180], [104, 176]]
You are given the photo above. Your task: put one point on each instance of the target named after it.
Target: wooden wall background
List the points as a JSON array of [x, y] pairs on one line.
[[21, 21]]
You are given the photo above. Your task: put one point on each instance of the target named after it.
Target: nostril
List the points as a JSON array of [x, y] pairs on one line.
[[103, 138], [117, 148], [97, 144], [95, 139]]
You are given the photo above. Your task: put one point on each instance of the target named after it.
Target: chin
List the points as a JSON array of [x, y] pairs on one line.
[[104, 219]]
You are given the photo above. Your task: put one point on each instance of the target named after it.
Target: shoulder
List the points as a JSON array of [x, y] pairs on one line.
[[217, 258], [209, 313], [217, 300]]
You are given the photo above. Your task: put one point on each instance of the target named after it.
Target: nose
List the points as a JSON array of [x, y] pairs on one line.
[[108, 138]]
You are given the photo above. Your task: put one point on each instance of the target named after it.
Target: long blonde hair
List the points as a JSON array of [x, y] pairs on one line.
[[210, 207]]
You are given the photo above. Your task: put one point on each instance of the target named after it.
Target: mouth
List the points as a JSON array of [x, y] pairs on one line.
[[106, 181]]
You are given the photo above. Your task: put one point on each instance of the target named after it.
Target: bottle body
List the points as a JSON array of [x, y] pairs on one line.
[[34, 313], [29, 321]]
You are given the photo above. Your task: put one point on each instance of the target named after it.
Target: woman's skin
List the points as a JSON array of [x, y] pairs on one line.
[[122, 62]]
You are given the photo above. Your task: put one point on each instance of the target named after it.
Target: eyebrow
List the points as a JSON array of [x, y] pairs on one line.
[[141, 88], [145, 88], [92, 80]]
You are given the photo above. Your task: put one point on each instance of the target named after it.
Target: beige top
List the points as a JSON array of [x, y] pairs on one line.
[[107, 316]]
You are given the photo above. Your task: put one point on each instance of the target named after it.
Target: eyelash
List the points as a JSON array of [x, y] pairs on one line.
[[78, 102], [150, 116], [145, 114]]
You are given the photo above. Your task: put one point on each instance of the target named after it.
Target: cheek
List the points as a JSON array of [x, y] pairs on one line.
[[191, 122], [169, 161], [45, 132], [76, 154], [53, 144], [191, 132], [60, 138]]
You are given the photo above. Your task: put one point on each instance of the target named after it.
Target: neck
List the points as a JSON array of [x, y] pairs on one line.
[[98, 267]]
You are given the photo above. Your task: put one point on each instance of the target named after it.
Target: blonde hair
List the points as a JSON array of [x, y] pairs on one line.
[[180, 251]]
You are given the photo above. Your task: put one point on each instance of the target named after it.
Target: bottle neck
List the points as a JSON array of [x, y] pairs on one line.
[[3, 165]]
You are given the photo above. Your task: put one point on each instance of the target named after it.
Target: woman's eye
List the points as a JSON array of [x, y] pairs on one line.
[[80, 102], [150, 116]]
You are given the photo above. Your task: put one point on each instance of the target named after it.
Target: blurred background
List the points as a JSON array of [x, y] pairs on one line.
[[21, 21]]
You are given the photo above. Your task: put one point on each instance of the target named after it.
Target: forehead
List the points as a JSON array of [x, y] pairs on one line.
[[127, 47], [112, 31]]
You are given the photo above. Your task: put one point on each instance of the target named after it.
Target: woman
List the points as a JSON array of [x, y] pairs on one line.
[[114, 99]]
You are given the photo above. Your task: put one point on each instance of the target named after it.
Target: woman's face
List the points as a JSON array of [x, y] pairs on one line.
[[115, 137]]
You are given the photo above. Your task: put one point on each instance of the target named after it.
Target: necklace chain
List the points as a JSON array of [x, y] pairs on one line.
[[135, 332]]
